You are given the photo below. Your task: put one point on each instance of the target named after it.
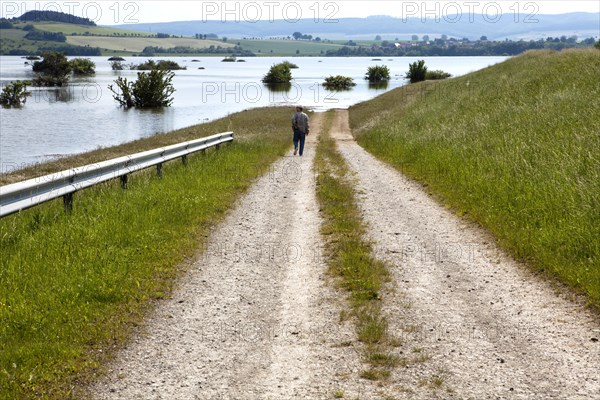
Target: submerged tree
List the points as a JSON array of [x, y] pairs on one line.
[[152, 89], [14, 93], [338, 82], [53, 70]]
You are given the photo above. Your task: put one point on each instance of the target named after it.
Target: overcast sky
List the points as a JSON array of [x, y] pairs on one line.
[[121, 12]]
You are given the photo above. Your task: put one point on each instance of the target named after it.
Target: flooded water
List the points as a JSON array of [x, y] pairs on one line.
[[84, 116]]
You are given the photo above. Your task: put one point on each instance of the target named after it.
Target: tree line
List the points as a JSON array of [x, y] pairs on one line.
[[479, 48], [152, 50], [55, 16]]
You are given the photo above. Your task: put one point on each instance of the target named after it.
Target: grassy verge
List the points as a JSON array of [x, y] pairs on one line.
[[515, 146], [350, 258], [72, 286]]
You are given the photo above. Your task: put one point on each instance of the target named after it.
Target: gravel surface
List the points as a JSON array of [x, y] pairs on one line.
[[255, 318], [474, 323]]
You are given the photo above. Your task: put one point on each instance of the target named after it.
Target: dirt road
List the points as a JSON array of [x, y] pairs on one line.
[[480, 324], [255, 317]]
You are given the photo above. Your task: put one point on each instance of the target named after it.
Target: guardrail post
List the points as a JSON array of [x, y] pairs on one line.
[[218, 146], [159, 170], [68, 202], [184, 160], [124, 181]]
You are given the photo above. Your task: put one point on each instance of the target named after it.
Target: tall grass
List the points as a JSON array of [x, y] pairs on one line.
[[73, 285], [516, 146]]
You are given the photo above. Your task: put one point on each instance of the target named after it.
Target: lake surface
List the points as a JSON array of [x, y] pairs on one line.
[[84, 116]]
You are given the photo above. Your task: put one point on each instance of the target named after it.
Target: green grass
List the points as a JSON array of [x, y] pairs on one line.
[[138, 44], [349, 255], [73, 285], [285, 48], [69, 29], [515, 146], [13, 39]]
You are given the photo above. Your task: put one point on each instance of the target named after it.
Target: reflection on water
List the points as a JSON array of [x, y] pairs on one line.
[[59, 94], [279, 87], [383, 85], [83, 115]]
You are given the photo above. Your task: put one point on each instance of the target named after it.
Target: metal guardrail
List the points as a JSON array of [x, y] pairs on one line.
[[22, 195]]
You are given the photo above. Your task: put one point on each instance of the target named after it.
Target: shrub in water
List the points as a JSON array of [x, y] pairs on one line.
[[152, 89], [14, 93], [417, 71], [279, 73], [83, 66], [378, 73], [338, 83]]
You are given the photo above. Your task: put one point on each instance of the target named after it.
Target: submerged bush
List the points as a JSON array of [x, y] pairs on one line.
[[83, 66], [14, 93], [338, 82], [117, 65], [378, 73], [152, 89], [151, 65], [279, 73], [53, 70], [417, 71]]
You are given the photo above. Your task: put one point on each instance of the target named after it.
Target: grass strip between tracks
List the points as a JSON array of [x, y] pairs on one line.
[[350, 258]]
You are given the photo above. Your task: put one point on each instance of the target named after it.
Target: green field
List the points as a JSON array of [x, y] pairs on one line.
[[14, 39], [285, 48], [138, 44], [515, 146], [70, 29], [121, 42], [74, 285]]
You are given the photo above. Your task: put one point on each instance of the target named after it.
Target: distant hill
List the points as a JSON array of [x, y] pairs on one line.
[[583, 25], [55, 16]]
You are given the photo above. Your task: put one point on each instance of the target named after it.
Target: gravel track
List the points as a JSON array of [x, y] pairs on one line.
[[255, 317], [474, 323]]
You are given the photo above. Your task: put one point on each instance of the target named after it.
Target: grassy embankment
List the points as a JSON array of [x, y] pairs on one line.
[[73, 285], [350, 257], [515, 146]]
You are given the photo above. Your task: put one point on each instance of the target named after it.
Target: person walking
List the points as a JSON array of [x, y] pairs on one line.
[[300, 126]]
